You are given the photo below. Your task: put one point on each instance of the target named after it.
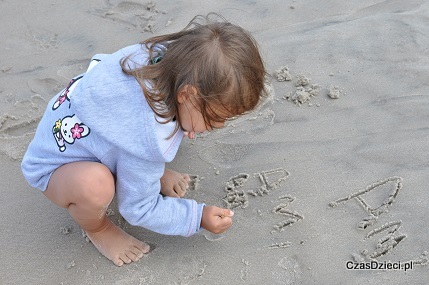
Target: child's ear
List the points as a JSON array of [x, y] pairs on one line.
[[186, 92]]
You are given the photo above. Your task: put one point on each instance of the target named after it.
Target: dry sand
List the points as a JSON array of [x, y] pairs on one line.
[[314, 183]]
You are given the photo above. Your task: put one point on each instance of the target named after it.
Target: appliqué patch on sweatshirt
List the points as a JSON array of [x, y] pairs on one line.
[[65, 95], [68, 130]]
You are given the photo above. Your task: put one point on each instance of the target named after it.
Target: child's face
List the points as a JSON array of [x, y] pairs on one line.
[[192, 120]]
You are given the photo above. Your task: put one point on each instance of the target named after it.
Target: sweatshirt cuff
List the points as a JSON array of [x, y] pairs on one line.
[[200, 208]]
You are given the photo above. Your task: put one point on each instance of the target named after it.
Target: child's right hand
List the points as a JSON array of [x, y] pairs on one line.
[[215, 219]]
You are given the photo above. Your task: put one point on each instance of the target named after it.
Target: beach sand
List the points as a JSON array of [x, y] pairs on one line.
[[332, 167]]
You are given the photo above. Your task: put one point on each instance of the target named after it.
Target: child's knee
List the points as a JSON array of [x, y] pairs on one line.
[[100, 187]]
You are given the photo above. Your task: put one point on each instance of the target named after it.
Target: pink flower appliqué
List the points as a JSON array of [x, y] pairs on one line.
[[76, 131]]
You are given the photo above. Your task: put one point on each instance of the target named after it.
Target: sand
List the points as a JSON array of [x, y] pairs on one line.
[[324, 180]]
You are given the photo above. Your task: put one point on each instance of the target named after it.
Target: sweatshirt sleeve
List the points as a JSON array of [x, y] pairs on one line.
[[141, 204]]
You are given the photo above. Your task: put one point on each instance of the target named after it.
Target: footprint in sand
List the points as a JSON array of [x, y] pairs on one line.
[[189, 269], [45, 86], [287, 272], [256, 121], [244, 272], [17, 127], [43, 40], [224, 154], [71, 69], [138, 16]]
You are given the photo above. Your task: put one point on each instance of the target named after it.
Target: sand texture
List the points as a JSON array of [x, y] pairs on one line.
[[332, 167]]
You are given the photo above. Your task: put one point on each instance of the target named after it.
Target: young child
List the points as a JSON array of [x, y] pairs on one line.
[[113, 129]]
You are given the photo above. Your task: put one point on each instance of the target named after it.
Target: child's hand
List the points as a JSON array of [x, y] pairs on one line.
[[174, 184], [216, 220]]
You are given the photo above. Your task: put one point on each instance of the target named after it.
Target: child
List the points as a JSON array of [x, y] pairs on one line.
[[113, 128]]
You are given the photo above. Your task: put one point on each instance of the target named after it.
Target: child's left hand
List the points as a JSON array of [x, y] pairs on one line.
[[174, 184]]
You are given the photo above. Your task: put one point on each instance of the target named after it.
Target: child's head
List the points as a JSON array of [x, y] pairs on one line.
[[213, 67]]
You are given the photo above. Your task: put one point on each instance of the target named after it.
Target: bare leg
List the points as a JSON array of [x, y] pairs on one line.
[[86, 189]]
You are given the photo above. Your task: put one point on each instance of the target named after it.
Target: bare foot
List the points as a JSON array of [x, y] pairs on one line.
[[117, 245], [174, 184]]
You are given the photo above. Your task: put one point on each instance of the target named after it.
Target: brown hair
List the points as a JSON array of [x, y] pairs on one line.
[[219, 59]]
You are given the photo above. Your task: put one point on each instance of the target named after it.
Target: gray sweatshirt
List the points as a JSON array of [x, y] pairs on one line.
[[103, 116]]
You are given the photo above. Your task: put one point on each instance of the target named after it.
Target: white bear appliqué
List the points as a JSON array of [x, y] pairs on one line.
[[68, 130]]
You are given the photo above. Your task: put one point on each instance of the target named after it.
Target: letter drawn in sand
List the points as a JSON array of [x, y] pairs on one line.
[[272, 185], [236, 181], [236, 198], [292, 216], [389, 241], [393, 237], [194, 182], [373, 212], [267, 186], [240, 198], [285, 244]]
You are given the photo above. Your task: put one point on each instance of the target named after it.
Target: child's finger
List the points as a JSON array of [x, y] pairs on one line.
[[226, 219], [179, 190], [226, 213], [183, 185], [186, 177], [226, 223], [172, 193]]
